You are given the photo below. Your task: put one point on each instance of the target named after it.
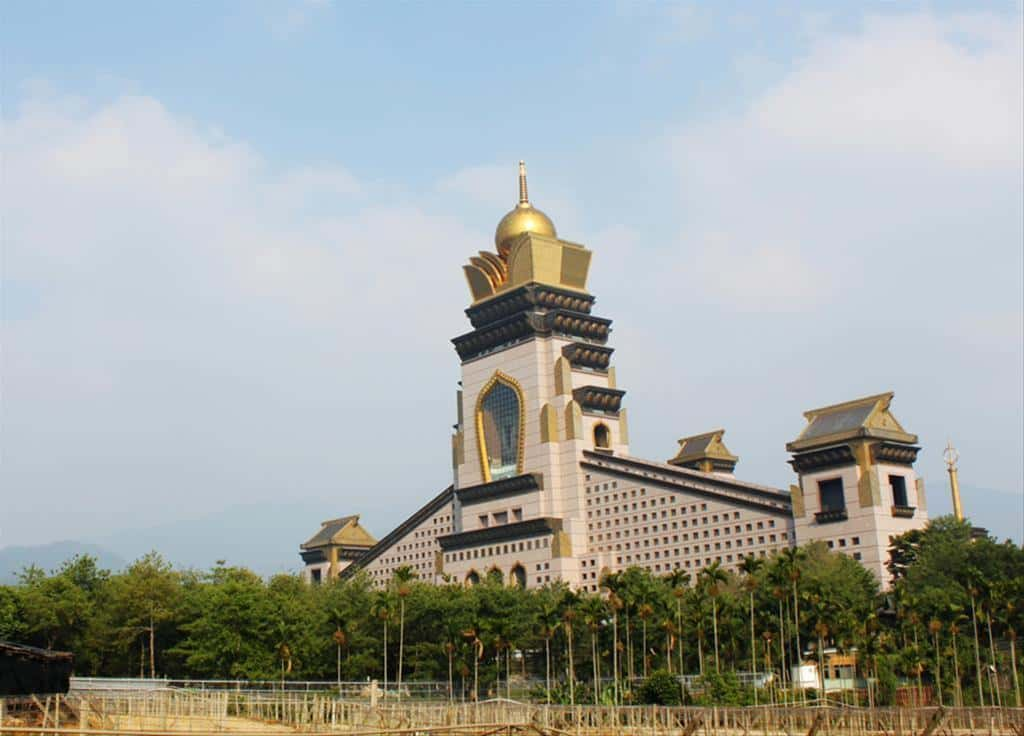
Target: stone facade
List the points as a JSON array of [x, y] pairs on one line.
[[545, 488]]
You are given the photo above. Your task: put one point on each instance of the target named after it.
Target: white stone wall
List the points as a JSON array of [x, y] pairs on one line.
[[527, 504], [323, 567], [631, 523], [866, 533], [417, 549], [532, 365], [533, 554]]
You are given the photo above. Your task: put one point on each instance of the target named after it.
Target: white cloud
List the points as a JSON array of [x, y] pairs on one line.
[[946, 88], [174, 306]]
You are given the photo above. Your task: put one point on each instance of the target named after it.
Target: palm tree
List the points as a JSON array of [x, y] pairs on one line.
[[778, 593], [821, 629], [1011, 634], [477, 650], [593, 615], [568, 618], [449, 649], [678, 580], [670, 641], [749, 567], [973, 591], [958, 695], [616, 604], [986, 607], [791, 559], [548, 626], [383, 612], [767, 636], [401, 579], [339, 639], [934, 627], [712, 577], [645, 611]]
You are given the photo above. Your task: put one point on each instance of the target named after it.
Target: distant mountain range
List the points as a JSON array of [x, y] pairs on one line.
[[266, 538], [13, 560]]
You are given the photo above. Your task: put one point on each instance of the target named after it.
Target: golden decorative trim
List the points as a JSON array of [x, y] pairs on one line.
[[548, 424], [573, 421], [611, 377], [561, 545], [332, 562], [623, 428], [796, 495], [868, 492], [922, 504], [563, 376], [481, 445]]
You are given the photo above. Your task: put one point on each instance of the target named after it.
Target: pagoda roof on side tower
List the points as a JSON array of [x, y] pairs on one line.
[[703, 446], [868, 417], [345, 530]]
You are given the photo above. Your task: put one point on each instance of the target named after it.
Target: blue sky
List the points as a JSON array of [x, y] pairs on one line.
[[233, 236]]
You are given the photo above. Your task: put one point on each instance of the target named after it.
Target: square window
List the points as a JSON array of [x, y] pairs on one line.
[[899, 490], [831, 494]]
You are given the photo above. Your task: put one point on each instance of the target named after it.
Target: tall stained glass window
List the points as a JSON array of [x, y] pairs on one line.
[[499, 423]]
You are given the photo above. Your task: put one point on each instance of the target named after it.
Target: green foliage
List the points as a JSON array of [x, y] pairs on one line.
[[230, 623], [661, 688], [723, 689]]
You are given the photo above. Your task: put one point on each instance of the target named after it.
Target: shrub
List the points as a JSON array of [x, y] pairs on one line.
[[723, 689], [661, 688]]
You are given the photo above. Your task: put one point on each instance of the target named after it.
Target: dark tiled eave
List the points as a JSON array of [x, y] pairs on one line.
[[543, 526], [588, 355], [313, 556], [821, 459], [599, 398], [428, 510], [528, 324], [895, 452], [695, 482], [500, 488], [526, 298]]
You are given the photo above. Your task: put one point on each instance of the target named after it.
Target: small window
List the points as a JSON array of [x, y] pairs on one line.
[[831, 494], [314, 575], [899, 490], [517, 514], [484, 521]]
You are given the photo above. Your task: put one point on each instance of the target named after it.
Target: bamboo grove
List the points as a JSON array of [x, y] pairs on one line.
[[949, 624]]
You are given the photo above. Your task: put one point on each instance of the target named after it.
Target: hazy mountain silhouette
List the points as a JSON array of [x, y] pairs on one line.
[[50, 556]]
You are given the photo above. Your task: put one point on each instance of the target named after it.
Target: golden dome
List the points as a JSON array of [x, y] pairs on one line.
[[524, 218]]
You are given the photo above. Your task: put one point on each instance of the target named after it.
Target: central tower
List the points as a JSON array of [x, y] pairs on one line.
[[537, 390]]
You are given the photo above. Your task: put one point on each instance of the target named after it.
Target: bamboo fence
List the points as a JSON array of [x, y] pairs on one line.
[[171, 712]]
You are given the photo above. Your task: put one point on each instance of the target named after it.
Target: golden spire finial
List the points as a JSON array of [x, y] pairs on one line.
[[524, 218], [952, 456]]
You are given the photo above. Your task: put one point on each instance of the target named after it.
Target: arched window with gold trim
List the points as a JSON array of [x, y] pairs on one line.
[[500, 428]]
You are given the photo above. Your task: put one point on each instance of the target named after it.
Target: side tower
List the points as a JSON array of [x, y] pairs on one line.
[[337, 544], [537, 390], [857, 485]]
